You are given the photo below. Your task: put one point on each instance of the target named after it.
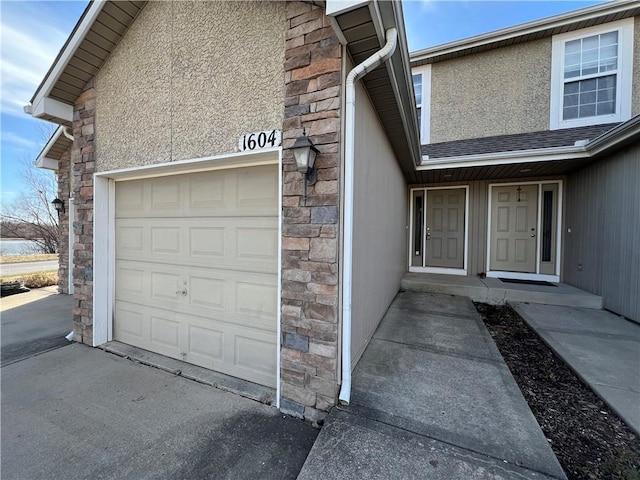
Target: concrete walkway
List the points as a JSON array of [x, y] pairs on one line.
[[432, 398], [603, 349]]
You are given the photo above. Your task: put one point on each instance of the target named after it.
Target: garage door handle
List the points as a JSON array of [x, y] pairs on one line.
[[181, 292]]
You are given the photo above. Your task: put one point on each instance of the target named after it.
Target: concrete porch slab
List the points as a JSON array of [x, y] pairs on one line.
[[496, 292], [602, 348]]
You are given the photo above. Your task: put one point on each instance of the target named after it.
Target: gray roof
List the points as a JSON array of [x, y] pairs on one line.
[[521, 141]]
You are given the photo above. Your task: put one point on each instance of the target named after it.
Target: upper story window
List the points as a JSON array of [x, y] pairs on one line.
[[591, 75], [422, 91]]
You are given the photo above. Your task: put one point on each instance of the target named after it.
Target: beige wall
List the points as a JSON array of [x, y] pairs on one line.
[[188, 79], [380, 215], [497, 92]]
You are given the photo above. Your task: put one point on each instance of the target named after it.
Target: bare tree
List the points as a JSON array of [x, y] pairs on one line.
[[31, 215]]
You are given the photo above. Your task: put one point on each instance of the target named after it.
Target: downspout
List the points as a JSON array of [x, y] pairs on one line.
[[67, 134], [359, 71]]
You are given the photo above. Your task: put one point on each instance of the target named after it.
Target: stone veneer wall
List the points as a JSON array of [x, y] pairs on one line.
[[310, 294], [64, 185], [83, 161]]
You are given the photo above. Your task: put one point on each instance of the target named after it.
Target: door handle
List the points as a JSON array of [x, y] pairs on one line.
[[533, 235]]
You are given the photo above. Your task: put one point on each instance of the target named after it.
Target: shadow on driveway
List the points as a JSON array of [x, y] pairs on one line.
[[37, 323]]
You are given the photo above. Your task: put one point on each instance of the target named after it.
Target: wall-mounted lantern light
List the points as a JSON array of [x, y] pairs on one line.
[[305, 152], [58, 205]]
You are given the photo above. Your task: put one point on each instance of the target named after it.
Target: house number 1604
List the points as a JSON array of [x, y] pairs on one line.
[[260, 140]]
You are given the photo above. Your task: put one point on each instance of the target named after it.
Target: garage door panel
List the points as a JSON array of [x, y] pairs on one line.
[[196, 269], [246, 191], [164, 195], [206, 292], [130, 239], [250, 354], [165, 286], [130, 198], [256, 190], [244, 244], [256, 299], [165, 331], [256, 244], [206, 345], [132, 324], [165, 240], [208, 193], [207, 242]]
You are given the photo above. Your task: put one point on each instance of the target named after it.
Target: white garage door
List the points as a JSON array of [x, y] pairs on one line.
[[196, 269]]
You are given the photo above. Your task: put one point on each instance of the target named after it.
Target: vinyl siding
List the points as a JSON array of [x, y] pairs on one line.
[[603, 213], [380, 215]]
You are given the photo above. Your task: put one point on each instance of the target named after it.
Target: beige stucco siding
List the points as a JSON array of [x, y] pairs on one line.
[[188, 79], [497, 92], [635, 93], [380, 214]]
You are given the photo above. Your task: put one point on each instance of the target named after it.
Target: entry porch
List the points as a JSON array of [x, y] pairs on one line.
[[496, 291]]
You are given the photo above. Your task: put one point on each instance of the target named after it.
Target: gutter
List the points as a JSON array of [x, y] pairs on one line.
[[501, 158], [358, 72]]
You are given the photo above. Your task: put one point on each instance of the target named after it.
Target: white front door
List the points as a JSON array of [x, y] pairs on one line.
[[196, 269], [514, 219]]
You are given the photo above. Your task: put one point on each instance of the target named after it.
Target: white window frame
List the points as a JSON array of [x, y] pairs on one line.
[[623, 77], [425, 124]]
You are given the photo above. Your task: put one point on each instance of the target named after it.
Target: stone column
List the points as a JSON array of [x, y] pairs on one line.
[[313, 78], [83, 161], [64, 190]]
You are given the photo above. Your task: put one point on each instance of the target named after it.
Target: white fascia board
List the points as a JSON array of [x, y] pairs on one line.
[[338, 7], [47, 163], [74, 42], [504, 158], [608, 8], [50, 107]]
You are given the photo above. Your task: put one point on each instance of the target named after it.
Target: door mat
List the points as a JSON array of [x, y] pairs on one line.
[[528, 282]]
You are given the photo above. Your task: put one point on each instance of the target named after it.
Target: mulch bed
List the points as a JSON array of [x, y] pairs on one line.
[[590, 441]]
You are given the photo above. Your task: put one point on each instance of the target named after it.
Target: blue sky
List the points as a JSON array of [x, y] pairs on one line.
[[33, 33]]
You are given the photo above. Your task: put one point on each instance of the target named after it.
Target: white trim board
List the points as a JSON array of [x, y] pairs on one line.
[[425, 106], [104, 230]]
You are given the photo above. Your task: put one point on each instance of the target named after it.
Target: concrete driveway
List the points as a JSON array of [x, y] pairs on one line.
[[78, 412], [34, 322]]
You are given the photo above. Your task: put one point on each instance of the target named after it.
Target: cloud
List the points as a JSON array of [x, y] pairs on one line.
[[17, 140], [28, 50]]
